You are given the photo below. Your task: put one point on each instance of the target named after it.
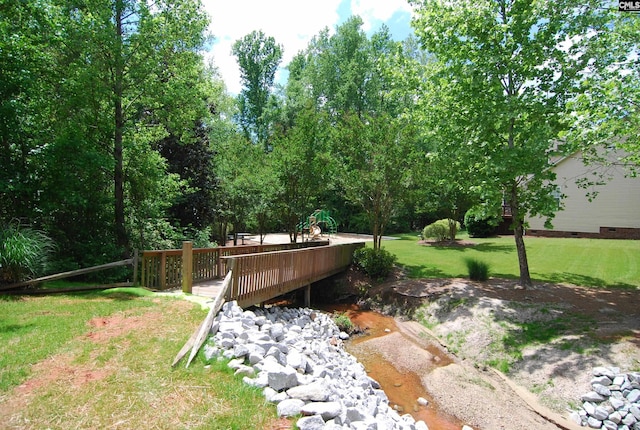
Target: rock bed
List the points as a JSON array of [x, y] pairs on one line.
[[296, 357], [613, 403]]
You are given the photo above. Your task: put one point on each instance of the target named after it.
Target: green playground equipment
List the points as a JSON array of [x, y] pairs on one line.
[[317, 224]]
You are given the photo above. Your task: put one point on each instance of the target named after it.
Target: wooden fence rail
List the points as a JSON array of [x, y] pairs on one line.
[[162, 269], [262, 276], [128, 262]]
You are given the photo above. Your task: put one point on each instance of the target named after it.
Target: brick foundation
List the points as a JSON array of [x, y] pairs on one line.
[[605, 233]]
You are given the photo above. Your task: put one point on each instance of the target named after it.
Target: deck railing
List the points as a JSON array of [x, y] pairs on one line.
[[262, 276], [162, 269]]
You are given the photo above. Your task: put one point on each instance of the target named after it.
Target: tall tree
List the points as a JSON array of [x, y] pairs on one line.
[[510, 70], [302, 166], [140, 62], [28, 38], [340, 70], [606, 114], [258, 57], [374, 165], [358, 85]]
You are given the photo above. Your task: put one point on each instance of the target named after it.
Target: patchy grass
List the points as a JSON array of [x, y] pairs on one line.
[[586, 262], [103, 360]]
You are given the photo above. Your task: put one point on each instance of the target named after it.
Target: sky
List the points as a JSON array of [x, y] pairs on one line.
[[292, 23]]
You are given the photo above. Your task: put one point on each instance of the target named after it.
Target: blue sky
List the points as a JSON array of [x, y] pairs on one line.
[[293, 23]]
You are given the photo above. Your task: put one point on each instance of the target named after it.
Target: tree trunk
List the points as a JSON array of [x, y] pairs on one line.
[[518, 233], [376, 242], [118, 175]]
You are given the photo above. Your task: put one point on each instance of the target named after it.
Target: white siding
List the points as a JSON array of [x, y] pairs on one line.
[[616, 205]]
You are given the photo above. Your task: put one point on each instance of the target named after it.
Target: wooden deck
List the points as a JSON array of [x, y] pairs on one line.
[[259, 277], [255, 277], [210, 289]]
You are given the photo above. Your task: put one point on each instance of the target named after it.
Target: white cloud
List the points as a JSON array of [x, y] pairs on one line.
[[291, 22], [377, 10]]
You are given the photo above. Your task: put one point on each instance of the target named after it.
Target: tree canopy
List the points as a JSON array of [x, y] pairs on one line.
[[507, 74], [115, 134]]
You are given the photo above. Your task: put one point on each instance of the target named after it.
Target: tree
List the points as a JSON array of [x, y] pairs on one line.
[[237, 169], [302, 165], [258, 57], [509, 75], [605, 116], [25, 75], [374, 165], [356, 82], [140, 64], [339, 70]]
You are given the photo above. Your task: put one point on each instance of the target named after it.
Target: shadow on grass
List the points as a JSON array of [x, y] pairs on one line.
[[424, 272], [488, 247], [495, 247], [586, 281]]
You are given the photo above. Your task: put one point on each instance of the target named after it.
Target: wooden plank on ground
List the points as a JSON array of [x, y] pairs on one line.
[[208, 321], [187, 346]]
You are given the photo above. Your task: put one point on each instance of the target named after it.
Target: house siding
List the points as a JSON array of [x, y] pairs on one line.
[[613, 213]]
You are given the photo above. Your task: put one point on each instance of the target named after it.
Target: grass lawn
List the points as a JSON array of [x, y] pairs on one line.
[[103, 360], [586, 262]]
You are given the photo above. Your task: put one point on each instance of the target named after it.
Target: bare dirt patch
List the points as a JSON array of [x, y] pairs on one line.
[[477, 324]]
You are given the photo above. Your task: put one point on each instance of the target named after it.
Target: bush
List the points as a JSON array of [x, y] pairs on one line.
[[343, 322], [377, 263], [24, 253], [478, 270], [441, 230], [480, 226]]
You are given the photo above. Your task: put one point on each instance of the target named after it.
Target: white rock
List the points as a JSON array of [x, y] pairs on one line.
[[592, 396], [634, 396], [315, 391], [289, 407], [314, 422], [327, 410], [244, 371], [604, 371]]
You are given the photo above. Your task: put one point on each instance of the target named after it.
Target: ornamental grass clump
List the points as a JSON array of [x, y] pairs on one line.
[[24, 252], [478, 270]]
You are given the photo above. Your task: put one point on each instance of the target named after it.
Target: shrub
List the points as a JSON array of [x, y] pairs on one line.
[[478, 270], [24, 253], [480, 226], [441, 230], [343, 322], [377, 263]]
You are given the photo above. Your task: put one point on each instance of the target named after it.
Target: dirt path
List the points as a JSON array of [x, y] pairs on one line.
[[474, 322]]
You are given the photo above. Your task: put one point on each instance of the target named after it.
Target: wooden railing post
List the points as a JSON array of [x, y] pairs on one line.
[[187, 266], [232, 291], [135, 263], [163, 270]]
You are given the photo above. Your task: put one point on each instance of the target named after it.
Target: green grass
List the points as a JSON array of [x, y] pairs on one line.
[[586, 262], [117, 370]]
